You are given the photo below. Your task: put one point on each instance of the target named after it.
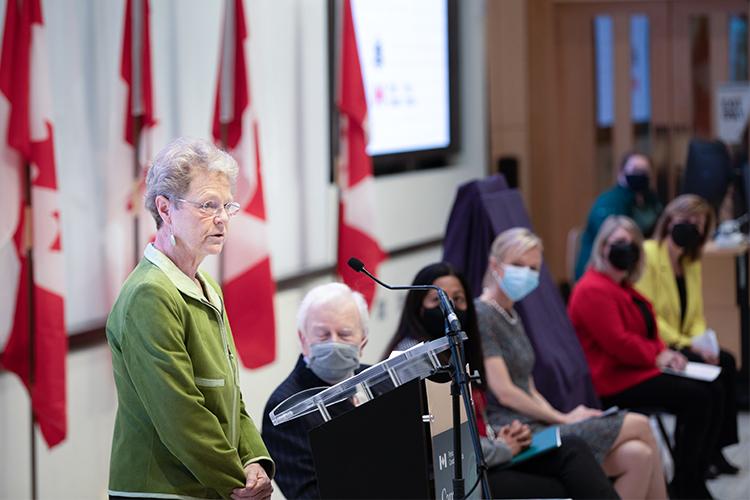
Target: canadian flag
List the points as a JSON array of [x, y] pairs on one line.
[[32, 322], [129, 226], [357, 201], [247, 281]]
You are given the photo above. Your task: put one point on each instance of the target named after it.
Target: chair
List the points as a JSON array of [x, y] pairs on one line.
[[572, 247]]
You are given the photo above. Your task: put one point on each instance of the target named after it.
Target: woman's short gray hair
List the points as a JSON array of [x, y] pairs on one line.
[[177, 164], [600, 262], [330, 293]]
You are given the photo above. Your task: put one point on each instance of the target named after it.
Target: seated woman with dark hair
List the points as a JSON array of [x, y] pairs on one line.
[[620, 337], [570, 471]]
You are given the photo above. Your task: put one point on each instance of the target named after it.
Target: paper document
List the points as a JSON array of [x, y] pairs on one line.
[[696, 371], [605, 413], [707, 341]]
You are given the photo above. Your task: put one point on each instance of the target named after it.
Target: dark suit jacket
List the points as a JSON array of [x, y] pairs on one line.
[[288, 443]]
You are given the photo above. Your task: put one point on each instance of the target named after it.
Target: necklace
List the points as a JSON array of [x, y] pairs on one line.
[[510, 317]]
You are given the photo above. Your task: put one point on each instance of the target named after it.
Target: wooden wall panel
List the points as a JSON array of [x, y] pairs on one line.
[[718, 32], [572, 172], [544, 140], [507, 60]]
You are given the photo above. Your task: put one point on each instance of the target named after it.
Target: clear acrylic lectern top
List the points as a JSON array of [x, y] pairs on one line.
[[420, 361]]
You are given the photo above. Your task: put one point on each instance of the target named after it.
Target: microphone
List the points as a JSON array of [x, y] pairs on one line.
[[459, 376], [452, 323]]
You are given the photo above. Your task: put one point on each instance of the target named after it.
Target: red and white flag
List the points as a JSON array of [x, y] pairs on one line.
[[247, 281], [129, 226], [356, 182], [32, 306]]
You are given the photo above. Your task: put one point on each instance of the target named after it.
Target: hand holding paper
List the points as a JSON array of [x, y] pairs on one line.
[[707, 345], [671, 360], [579, 413]]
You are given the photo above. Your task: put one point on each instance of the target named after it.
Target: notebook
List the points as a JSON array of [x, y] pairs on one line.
[[541, 442]]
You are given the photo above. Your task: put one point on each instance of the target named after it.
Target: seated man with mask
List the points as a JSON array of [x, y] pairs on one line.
[[332, 329]]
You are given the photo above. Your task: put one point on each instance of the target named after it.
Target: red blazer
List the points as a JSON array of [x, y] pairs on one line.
[[613, 333]]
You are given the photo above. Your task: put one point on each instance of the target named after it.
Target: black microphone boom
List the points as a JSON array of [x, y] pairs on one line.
[[453, 324]]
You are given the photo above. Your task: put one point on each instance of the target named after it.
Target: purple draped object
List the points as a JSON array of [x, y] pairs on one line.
[[482, 210]]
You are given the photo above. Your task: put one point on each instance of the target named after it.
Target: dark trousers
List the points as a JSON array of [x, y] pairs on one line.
[[570, 471], [698, 421], [726, 398]]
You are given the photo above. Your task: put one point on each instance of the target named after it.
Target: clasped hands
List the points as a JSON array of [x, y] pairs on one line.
[[257, 484], [516, 436]]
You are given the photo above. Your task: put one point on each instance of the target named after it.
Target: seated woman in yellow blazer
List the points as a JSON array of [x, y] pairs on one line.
[[672, 282]]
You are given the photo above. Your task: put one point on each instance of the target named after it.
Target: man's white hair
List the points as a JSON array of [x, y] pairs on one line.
[[330, 293]]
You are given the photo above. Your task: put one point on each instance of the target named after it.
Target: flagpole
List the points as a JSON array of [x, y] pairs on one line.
[[335, 18], [137, 128], [29, 243], [226, 58], [223, 144]]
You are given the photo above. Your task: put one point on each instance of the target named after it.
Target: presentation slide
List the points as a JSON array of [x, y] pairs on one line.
[[403, 51]]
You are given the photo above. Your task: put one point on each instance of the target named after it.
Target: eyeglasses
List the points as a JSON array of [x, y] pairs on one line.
[[214, 208]]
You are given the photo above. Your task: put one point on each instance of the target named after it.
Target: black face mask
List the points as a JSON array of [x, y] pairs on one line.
[[686, 235], [624, 256], [434, 323], [637, 182]]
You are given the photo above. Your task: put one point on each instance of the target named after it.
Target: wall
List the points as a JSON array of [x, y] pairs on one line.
[[289, 78], [508, 76]]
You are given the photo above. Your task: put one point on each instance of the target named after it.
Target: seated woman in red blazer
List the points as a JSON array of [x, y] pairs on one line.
[[618, 332]]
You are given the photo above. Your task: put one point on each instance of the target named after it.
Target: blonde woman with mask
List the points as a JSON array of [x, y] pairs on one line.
[[622, 442]]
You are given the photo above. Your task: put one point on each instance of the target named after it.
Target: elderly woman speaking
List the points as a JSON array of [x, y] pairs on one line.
[[181, 428]]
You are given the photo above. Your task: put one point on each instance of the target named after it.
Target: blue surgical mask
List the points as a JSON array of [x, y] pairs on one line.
[[517, 282], [333, 361]]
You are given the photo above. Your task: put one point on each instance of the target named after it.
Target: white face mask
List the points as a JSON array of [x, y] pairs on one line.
[[517, 282], [333, 361]]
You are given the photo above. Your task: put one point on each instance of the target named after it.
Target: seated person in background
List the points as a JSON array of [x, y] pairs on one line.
[[631, 196], [332, 329], [672, 282], [622, 442], [619, 335], [569, 471]]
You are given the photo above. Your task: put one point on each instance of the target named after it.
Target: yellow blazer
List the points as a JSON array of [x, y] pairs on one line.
[[659, 285]]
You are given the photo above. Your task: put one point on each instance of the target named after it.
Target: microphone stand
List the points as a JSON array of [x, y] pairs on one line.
[[459, 386]]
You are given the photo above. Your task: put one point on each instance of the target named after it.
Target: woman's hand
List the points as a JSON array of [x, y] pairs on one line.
[[671, 359], [579, 413], [516, 436], [257, 485], [707, 356]]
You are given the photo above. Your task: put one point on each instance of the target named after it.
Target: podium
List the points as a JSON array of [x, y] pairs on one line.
[[397, 439]]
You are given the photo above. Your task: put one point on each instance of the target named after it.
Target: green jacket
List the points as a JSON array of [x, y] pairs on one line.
[[181, 428]]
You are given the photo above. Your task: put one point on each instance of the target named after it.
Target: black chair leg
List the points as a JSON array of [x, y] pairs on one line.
[[664, 434]]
